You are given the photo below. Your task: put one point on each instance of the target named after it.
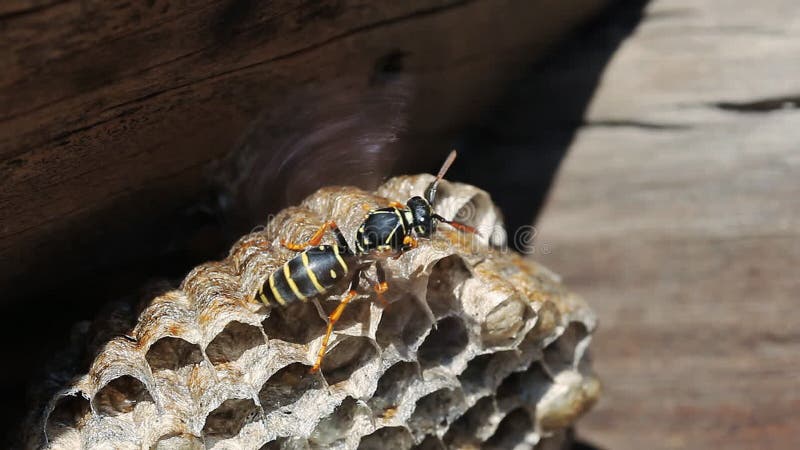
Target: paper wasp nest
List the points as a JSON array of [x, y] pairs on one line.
[[479, 348]]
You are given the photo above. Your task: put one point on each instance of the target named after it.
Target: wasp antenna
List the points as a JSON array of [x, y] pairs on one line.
[[430, 193], [447, 163]]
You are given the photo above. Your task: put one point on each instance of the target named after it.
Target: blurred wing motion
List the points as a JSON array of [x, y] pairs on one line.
[[336, 134]]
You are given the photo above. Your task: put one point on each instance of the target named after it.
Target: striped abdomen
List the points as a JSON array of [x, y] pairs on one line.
[[312, 272]]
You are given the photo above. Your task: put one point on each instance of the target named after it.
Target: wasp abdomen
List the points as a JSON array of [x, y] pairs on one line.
[[310, 273]]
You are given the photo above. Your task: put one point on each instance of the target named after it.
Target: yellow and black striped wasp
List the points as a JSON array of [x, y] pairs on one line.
[[385, 232]]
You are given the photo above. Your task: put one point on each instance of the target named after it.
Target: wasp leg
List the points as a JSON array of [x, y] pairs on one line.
[[409, 243], [315, 239], [398, 205], [382, 285], [333, 318]]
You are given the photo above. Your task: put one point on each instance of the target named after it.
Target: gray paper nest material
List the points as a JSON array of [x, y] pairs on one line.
[[505, 365]]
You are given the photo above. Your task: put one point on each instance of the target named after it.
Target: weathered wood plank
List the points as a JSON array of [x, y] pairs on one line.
[[675, 214]]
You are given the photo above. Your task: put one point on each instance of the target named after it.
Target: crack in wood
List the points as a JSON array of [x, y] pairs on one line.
[[769, 104], [628, 123]]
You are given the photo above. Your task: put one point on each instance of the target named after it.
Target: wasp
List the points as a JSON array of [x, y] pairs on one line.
[[385, 232]]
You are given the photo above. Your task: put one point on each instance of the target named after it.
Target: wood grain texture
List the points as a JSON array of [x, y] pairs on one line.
[[111, 110], [676, 214]]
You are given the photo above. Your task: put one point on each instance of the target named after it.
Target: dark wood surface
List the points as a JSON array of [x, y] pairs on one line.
[[114, 116], [112, 110], [675, 213]]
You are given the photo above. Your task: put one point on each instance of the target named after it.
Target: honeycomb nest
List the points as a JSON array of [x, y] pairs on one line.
[[477, 348]]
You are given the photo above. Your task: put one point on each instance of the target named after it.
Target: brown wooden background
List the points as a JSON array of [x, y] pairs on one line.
[[676, 212]]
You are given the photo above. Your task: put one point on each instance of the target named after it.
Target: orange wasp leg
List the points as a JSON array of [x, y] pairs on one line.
[[381, 286], [332, 319], [315, 239]]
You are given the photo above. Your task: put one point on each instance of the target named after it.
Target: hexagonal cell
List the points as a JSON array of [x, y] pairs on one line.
[[387, 438], [287, 443], [172, 353], [547, 320], [358, 311], [485, 372], [70, 412], [392, 385], [503, 325], [402, 325], [512, 432], [121, 396], [298, 323], [180, 441], [523, 387], [444, 342], [286, 386], [465, 430], [235, 339], [335, 429], [566, 352], [349, 355], [430, 443], [228, 419], [434, 412], [447, 274], [472, 378]]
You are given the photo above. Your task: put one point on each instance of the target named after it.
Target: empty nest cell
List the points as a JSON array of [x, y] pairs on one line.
[[171, 353], [466, 430], [348, 355], [286, 443], [387, 438], [335, 429], [445, 341], [434, 412], [485, 372], [70, 412], [516, 428], [298, 323], [228, 419], [392, 385], [403, 325], [523, 387], [446, 276], [565, 352], [235, 339], [286, 386], [121, 396], [430, 443], [473, 378]]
